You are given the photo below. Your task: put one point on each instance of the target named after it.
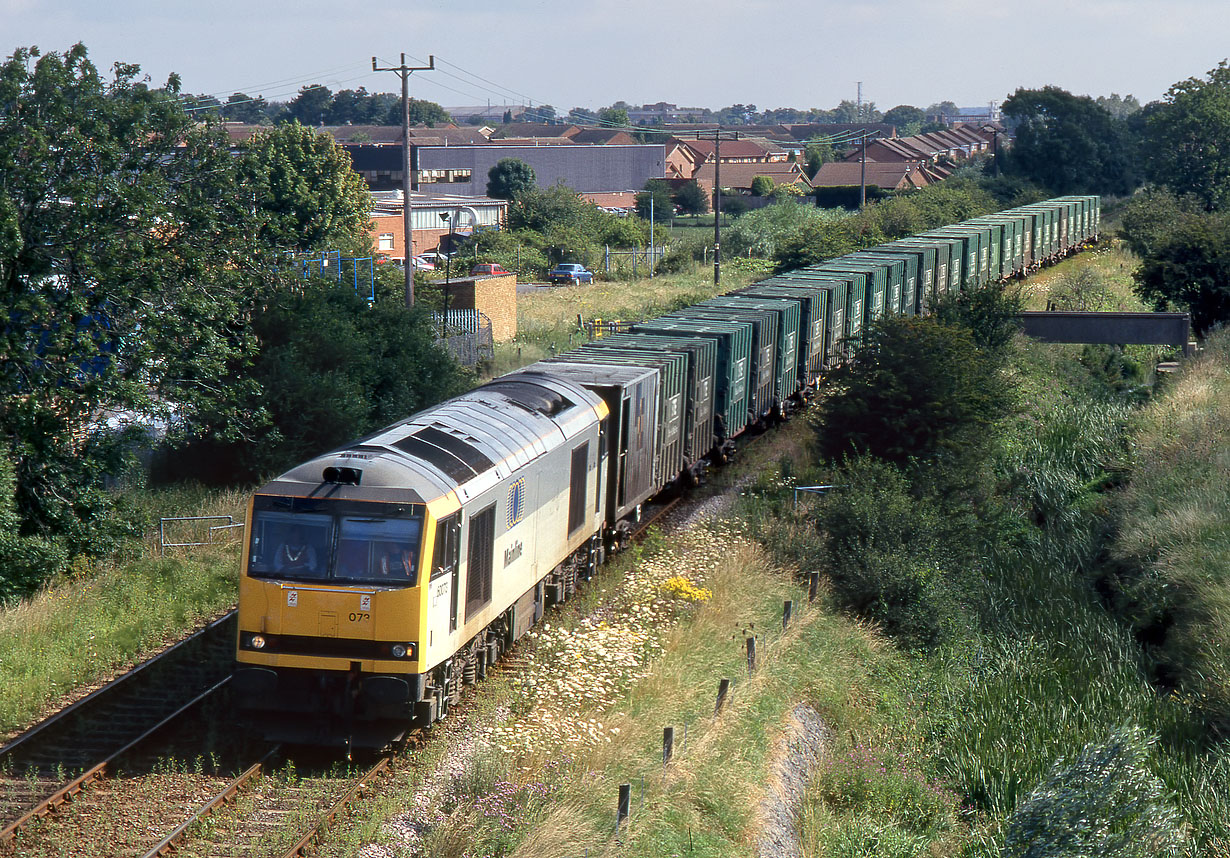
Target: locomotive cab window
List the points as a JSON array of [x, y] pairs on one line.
[[378, 550], [344, 542]]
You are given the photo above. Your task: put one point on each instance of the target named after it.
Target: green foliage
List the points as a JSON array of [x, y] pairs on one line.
[[988, 312], [1172, 542], [1186, 138], [659, 191], [1058, 469], [509, 179], [760, 232], [376, 365], [816, 156], [1149, 218], [1069, 143], [127, 264], [691, 198], [907, 119], [306, 192], [1105, 801], [762, 186], [885, 553], [917, 390], [1190, 269]]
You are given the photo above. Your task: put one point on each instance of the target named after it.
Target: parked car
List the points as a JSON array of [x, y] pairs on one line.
[[422, 263], [570, 272], [487, 268]]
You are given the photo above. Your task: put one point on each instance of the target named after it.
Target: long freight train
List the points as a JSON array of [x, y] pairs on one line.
[[380, 578]]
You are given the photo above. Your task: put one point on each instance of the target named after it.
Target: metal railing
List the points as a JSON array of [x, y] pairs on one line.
[[211, 531]]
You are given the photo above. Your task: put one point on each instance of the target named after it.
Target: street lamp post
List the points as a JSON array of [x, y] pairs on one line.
[[448, 263]]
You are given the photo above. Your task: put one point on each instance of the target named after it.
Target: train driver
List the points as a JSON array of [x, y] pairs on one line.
[[398, 563], [296, 554]]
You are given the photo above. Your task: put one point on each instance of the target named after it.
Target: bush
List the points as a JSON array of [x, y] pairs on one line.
[[1106, 801], [887, 555]]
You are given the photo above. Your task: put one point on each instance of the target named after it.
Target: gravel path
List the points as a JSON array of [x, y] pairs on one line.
[[801, 746]]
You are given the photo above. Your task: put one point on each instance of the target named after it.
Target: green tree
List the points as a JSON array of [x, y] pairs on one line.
[[1190, 270], [1105, 801], [1068, 143], [127, 265], [422, 112], [762, 186], [1151, 216], [659, 191], [312, 105], [917, 392], [816, 156], [509, 179], [378, 364], [612, 116], [1187, 138], [306, 192], [906, 118], [691, 198]]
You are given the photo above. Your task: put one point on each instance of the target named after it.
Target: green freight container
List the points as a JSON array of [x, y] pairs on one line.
[[763, 372], [874, 295], [993, 246], [926, 255], [903, 266], [970, 240], [734, 359], [698, 389], [846, 302], [789, 336], [668, 453], [813, 311]]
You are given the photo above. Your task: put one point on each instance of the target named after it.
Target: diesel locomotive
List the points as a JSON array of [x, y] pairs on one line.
[[380, 578]]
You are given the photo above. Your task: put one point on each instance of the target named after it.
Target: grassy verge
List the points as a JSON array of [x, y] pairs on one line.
[[1173, 537], [80, 630]]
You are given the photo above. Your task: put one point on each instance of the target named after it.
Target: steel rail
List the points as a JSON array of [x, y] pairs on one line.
[[98, 771], [309, 839], [111, 686], [172, 840]]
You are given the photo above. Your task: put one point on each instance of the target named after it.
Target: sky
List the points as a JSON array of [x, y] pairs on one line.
[[580, 53]]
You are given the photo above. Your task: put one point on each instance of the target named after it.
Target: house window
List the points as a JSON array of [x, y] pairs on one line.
[[386, 241]]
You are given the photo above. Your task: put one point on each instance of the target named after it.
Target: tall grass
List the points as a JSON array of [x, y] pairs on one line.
[[80, 629], [1173, 537]]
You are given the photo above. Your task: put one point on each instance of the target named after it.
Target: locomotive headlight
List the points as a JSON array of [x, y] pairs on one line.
[[399, 650], [257, 642]]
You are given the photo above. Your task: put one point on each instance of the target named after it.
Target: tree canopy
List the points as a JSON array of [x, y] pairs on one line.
[[306, 191], [509, 179], [1190, 269], [659, 191], [1187, 137], [917, 390], [126, 261], [1069, 143]]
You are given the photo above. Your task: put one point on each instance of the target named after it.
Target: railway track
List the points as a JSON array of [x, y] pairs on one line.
[[50, 764], [271, 814]]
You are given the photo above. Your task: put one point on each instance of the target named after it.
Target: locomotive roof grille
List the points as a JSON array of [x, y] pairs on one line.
[[531, 397], [469, 454], [451, 465]]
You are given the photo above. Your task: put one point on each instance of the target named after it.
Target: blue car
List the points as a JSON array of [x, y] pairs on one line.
[[570, 272]]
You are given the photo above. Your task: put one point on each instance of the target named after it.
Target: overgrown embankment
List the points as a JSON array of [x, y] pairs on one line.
[[1030, 695], [1172, 544]]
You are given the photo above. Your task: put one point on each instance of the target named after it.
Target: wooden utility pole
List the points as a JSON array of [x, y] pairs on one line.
[[404, 71], [717, 199]]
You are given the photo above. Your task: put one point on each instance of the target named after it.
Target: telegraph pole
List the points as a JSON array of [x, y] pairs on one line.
[[717, 200], [404, 71]]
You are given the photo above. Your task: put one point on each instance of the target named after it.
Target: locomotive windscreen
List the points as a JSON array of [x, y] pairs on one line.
[[299, 539]]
